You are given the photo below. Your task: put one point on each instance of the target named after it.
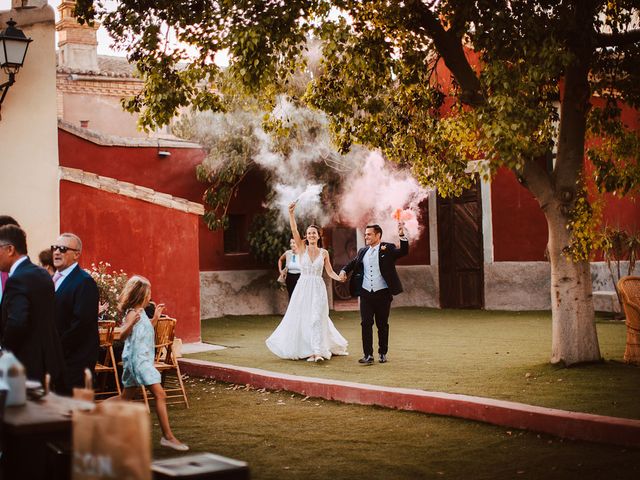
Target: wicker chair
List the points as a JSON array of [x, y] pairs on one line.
[[107, 364], [629, 288], [166, 363]]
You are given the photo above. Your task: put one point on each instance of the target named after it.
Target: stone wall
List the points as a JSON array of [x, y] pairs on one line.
[[527, 286], [517, 286], [240, 292], [420, 284], [251, 292], [508, 286], [601, 277]]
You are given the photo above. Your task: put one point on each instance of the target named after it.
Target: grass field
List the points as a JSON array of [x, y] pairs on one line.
[[287, 436], [502, 355], [493, 354]]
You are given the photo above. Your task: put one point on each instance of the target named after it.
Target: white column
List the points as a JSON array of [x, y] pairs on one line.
[[359, 238], [487, 222], [433, 227]]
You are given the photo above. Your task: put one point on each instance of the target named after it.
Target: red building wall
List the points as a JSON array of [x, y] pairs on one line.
[[519, 227], [140, 238], [247, 202], [175, 175], [623, 213]]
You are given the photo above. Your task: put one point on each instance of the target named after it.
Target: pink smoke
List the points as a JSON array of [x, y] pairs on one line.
[[379, 193]]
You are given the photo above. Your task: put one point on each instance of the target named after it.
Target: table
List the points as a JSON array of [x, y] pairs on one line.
[[27, 429]]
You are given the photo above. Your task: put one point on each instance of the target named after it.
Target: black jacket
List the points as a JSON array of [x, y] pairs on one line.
[[76, 314], [388, 253], [27, 327]]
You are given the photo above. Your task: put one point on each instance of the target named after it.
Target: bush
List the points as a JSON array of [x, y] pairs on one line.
[[109, 285]]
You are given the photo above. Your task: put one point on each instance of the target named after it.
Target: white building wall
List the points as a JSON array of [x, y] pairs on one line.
[[29, 133]]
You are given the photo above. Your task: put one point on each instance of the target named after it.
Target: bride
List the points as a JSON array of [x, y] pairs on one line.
[[306, 331]]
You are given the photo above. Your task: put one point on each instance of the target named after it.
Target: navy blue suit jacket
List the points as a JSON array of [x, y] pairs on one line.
[[76, 314], [387, 257], [27, 327]]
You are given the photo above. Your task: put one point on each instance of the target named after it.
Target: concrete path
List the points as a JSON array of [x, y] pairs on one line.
[[199, 347], [561, 423]]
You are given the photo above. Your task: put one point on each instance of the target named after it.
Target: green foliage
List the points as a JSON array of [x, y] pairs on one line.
[[616, 157], [620, 245], [584, 220], [383, 84], [267, 239], [231, 144]]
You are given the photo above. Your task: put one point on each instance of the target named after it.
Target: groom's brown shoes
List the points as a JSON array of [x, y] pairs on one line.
[[366, 360]]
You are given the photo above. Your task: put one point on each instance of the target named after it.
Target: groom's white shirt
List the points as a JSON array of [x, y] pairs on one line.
[[372, 280]]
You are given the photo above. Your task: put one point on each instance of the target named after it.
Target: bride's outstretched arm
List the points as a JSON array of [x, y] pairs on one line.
[[328, 267], [294, 228]]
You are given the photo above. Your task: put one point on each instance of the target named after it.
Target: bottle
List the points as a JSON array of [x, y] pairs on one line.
[[13, 373]]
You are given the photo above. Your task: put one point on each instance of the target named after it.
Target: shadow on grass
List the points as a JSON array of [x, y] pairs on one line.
[[502, 355]]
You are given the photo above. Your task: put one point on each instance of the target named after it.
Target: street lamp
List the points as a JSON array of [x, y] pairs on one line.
[[13, 49]]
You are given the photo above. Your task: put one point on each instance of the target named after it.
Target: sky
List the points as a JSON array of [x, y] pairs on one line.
[[104, 41]]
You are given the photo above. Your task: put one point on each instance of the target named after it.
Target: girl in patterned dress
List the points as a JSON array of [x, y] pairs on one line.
[[139, 351]]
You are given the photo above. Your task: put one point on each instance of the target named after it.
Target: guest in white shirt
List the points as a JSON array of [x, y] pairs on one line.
[[291, 271]]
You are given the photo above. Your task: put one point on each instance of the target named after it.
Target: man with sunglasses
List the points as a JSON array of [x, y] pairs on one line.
[[76, 309], [27, 325]]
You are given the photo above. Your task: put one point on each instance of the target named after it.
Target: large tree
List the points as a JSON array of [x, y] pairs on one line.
[[531, 82]]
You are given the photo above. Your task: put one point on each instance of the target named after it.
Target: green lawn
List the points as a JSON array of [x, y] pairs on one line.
[[502, 355], [287, 436]]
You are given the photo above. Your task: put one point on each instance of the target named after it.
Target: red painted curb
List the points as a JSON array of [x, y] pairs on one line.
[[561, 423]]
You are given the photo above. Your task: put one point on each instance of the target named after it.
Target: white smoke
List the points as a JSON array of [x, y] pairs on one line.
[[373, 190], [307, 198]]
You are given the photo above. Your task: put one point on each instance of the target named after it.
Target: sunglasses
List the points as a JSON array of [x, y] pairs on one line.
[[62, 248]]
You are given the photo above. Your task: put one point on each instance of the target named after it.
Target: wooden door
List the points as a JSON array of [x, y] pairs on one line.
[[460, 250]]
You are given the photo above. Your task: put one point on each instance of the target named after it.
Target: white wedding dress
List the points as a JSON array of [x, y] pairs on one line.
[[306, 328]]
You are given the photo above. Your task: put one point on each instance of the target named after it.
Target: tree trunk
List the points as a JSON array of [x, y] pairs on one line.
[[574, 337]]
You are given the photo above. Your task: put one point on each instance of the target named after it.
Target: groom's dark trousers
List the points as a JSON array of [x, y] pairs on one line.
[[375, 306]]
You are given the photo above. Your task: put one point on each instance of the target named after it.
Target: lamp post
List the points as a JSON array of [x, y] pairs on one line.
[[13, 50]]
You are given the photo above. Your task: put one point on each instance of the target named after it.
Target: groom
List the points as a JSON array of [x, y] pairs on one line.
[[375, 281]]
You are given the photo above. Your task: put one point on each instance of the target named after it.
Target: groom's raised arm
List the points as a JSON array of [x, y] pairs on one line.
[[404, 248], [404, 242]]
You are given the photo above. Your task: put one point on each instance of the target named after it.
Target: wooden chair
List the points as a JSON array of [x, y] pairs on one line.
[[629, 288], [166, 363], [107, 364]]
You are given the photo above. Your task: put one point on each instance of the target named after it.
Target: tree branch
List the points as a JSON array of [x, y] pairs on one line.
[[450, 47], [619, 39], [537, 181]]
